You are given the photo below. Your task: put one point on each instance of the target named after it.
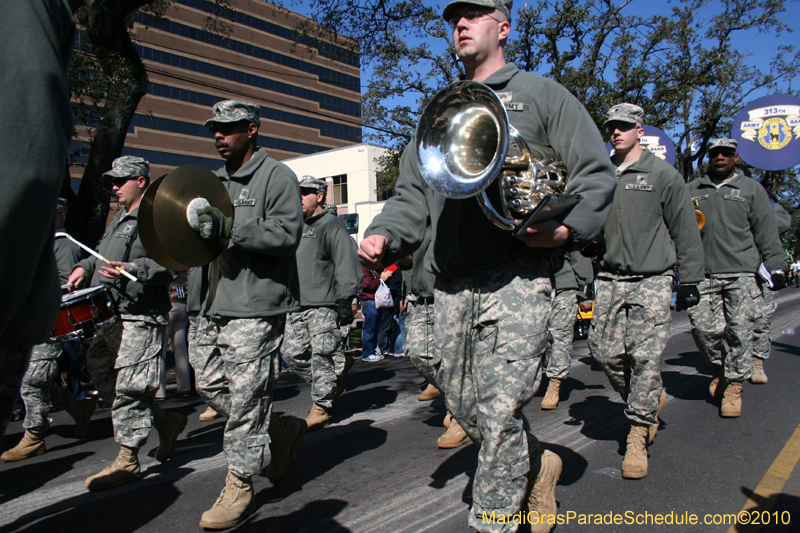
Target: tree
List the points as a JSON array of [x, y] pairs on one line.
[[108, 79]]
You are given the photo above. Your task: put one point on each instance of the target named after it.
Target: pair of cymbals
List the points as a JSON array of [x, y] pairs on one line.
[[165, 232]]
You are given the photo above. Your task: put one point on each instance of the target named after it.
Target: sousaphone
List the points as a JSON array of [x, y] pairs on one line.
[[465, 142], [163, 227]]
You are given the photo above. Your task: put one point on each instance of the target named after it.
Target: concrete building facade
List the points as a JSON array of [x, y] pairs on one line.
[[309, 93], [351, 176]]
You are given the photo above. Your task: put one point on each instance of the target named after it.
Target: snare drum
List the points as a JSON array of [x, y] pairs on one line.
[[83, 312]]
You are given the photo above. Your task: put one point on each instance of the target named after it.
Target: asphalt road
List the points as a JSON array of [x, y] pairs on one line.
[[377, 467]]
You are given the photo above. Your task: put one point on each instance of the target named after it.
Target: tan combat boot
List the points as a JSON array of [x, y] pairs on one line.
[[651, 431], [285, 434], [209, 414], [81, 411], [124, 469], [169, 426], [447, 419], [732, 400], [318, 417], [717, 385], [430, 393], [758, 377], [454, 437], [235, 503], [551, 397], [542, 495], [31, 445], [634, 466]]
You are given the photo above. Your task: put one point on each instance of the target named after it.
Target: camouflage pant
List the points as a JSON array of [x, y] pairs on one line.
[[491, 331], [236, 364], [310, 340], [13, 362], [39, 390], [341, 360], [629, 331], [729, 306], [762, 344], [563, 314], [127, 354], [419, 346]]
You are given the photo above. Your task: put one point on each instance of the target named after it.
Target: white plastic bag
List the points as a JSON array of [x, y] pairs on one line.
[[383, 297]]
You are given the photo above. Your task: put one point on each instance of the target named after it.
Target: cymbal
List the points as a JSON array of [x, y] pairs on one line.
[[174, 243], [147, 231]]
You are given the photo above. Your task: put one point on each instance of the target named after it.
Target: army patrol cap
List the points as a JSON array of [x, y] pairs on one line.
[[317, 184], [61, 205], [630, 113], [504, 6], [721, 144], [128, 165], [234, 111]]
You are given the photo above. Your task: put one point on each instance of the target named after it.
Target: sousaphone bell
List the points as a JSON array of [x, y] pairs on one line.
[[465, 142], [164, 229]]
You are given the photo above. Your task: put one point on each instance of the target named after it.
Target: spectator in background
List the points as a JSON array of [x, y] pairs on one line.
[[369, 333], [388, 318]]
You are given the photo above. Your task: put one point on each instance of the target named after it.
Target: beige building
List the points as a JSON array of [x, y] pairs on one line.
[[350, 173]]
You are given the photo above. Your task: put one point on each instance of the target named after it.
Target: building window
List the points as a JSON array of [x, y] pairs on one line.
[[340, 189]]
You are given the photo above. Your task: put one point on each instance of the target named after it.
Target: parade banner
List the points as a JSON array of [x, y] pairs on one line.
[[768, 132], [657, 142]]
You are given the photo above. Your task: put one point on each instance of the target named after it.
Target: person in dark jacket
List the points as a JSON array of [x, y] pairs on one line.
[[371, 328]]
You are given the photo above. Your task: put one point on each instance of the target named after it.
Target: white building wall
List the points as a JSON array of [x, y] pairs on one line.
[[359, 163]]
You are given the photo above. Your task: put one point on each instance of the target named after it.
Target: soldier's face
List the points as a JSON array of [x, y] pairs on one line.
[[129, 190], [311, 199], [233, 139], [623, 136], [477, 32], [722, 161]]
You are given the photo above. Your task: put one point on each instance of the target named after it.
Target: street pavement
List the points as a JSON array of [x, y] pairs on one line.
[[377, 467]]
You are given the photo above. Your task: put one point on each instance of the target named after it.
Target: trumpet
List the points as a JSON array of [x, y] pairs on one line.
[[465, 142]]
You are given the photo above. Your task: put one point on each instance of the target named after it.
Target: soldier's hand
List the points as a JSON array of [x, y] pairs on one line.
[[688, 296], [215, 224], [548, 234], [778, 280], [344, 315], [76, 278], [371, 250]]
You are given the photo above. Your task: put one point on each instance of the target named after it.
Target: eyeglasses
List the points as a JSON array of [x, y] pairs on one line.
[[472, 17], [119, 182]]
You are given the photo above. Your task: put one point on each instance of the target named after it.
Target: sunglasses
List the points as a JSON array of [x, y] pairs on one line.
[[724, 153], [472, 17], [119, 182]]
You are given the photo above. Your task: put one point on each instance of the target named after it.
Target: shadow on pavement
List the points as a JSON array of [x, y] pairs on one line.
[[317, 517]]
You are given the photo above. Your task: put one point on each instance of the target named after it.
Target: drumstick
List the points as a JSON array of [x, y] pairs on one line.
[[100, 257]]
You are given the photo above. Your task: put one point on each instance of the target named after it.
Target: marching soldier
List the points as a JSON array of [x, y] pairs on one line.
[[740, 232], [761, 341], [39, 391], [493, 290], [246, 293], [576, 271], [651, 228], [124, 358], [326, 268]]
